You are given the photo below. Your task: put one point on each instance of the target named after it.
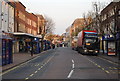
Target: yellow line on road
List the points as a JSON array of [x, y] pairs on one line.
[[107, 71], [31, 75], [9, 70], [17, 66], [102, 68], [26, 78], [108, 61], [36, 71], [39, 68], [115, 68], [96, 64], [99, 66]]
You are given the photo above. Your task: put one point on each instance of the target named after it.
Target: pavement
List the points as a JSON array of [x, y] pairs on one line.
[[18, 59]]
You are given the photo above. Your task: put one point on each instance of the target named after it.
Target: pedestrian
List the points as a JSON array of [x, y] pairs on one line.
[[53, 46], [28, 48], [31, 50]]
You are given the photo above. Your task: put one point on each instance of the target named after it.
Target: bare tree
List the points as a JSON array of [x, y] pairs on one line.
[[88, 18], [49, 25], [97, 8], [48, 28]]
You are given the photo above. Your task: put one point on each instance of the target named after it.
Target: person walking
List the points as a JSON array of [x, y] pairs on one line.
[[31, 50], [53, 46]]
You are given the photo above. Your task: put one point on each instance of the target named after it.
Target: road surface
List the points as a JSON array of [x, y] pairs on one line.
[[64, 63]]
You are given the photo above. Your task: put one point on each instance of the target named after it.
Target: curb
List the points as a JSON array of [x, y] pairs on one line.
[[24, 61]]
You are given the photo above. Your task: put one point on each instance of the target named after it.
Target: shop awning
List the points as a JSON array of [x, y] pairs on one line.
[[17, 33], [24, 34]]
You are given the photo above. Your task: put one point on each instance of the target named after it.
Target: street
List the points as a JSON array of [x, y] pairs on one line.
[[64, 63]]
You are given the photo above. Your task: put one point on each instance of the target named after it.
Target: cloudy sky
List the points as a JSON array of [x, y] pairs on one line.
[[63, 12]]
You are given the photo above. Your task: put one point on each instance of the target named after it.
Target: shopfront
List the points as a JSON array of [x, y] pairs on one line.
[[24, 41], [118, 43], [36, 45], [21, 42], [109, 45], [7, 55]]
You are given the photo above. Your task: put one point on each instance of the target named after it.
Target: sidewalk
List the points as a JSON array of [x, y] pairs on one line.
[[111, 58], [18, 59]]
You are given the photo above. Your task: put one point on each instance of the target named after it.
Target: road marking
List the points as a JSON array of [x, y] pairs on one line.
[[39, 68], [108, 61], [9, 70], [99, 66], [107, 71], [42, 65], [26, 78], [71, 72], [96, 64], [115, 68], [31, 75], [103, 69], [36, 71], [73, 66], [18, 66], [73, 61]]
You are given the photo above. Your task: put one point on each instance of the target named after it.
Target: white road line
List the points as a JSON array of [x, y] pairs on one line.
[[73, 66], [73, 61], [70, 74]]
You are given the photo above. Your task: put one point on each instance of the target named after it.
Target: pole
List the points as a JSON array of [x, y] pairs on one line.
[[31, 47]]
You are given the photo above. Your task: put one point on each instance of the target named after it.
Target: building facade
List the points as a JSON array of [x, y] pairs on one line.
[[41, 24], [6, 30], [109, 18], [6, 16], [20, 17]]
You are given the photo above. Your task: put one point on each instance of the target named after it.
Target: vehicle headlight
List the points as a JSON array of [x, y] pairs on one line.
[[96, 51], [85, 50]]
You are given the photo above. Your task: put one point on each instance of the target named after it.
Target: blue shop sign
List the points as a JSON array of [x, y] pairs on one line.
[[118, 36], [36, 40], [108, 37]]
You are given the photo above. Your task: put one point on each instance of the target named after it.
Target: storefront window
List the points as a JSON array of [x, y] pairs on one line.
[[111, 48]]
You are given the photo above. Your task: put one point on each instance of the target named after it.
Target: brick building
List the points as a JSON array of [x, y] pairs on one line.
[[41, 24], [77, 25], [20, 17], [31, 23]]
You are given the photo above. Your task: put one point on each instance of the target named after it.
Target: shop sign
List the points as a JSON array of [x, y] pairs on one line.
[[108, 37], [118, 36], [27, 40]]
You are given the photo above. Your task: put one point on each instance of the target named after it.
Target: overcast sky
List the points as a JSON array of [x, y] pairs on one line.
[[63, 12]]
